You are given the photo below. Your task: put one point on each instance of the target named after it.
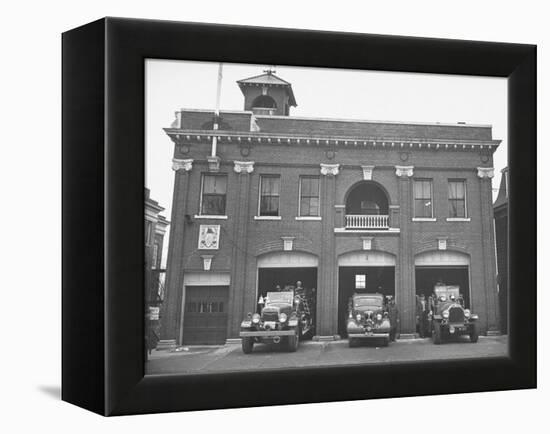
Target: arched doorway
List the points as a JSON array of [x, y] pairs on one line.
[[285, 269], [442, 266], [367, 206], [363, 272]]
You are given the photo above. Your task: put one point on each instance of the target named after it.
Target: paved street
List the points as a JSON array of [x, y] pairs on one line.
[[208, 359]]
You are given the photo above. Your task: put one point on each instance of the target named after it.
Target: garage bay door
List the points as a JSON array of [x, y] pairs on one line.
[[205, 317]]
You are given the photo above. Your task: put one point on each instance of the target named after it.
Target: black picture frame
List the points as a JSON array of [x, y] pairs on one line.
[[103, 179]]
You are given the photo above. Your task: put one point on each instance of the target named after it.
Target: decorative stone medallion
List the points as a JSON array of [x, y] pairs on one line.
[[184, 148], [245, 151]]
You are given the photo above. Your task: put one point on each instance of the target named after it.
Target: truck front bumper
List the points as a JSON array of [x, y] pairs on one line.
[[266, 333], [368, 335], [457, 329]]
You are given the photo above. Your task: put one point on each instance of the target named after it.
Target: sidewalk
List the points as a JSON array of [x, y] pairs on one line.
[[229, 357]]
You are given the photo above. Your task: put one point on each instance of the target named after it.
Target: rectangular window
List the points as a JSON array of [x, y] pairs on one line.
[[148, 232], [309, 196], [360, 281], [155, 256], [423, 201], [457, 198], [214, 189], [269, 195]]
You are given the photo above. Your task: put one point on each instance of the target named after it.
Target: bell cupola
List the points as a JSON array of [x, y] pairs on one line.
[[267, 94]]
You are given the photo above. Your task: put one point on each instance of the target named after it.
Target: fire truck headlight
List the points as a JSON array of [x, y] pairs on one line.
[[256, 318], [358, 317], [467, 313], [282, 317], [446, 314]]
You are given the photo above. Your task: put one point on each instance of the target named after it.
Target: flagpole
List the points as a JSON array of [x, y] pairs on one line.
[[217, 110]]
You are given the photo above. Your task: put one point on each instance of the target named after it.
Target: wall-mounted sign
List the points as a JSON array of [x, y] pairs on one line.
[[209, 237], [154, 313]]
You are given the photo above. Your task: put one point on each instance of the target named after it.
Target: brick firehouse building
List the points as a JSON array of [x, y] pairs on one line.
[[262, 198]]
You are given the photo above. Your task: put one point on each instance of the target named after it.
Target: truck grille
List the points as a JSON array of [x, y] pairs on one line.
[[270, 316], [456, 314]]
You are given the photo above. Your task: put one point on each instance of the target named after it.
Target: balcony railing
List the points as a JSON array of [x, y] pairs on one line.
[[364, 221]]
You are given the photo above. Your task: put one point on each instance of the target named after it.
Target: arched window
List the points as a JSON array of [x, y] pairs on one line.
[[370, 207], [367, 198], [264, 101]]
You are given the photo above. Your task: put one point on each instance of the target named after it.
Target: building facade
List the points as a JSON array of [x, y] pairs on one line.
[[342, 205], [501, 234], [155, 230]]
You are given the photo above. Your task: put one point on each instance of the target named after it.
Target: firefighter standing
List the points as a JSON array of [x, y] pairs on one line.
[[393, 313], [301, 292], [422, 315]]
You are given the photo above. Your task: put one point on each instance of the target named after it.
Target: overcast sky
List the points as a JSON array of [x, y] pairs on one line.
[[320, 92]]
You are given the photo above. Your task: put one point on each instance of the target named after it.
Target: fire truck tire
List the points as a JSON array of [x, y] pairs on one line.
[[474, 334], [293, 342], [437, 333], [248, 344]]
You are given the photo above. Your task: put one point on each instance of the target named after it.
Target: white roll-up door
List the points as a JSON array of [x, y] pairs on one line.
[[287, 260], [441, 258], [366, 259], [206, 279]]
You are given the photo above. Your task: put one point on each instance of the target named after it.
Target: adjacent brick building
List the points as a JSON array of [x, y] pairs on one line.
[[155, 229], [342, 205], [501, 233]]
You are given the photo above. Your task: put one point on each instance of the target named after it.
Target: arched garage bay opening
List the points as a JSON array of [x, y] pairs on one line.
[[285, 269], [363, 272], [442, 266]]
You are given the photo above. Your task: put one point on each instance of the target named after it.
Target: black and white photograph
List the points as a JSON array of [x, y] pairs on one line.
[[310, 217], [242, 216]]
